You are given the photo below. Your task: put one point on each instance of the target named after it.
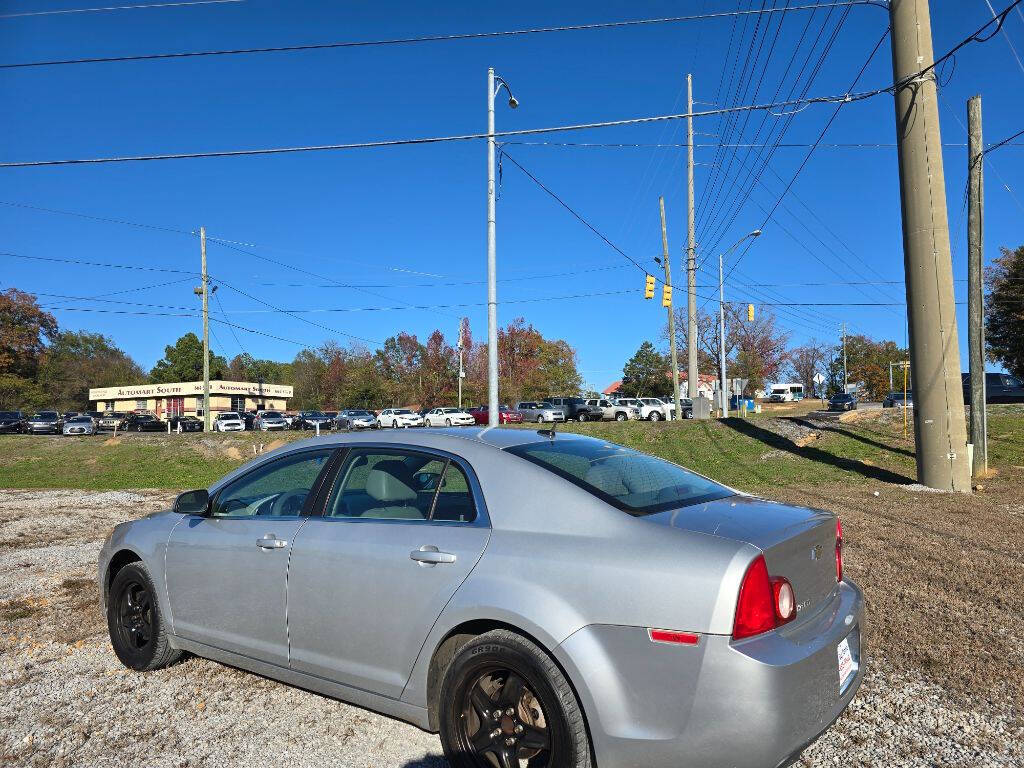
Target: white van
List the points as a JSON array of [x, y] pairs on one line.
[[786, 393]]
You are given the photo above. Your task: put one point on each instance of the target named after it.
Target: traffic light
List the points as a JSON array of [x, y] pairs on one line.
[[666, 296], [649, 287], [750, 313]]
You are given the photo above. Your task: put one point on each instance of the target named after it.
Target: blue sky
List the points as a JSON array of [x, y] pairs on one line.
[[379, 217]]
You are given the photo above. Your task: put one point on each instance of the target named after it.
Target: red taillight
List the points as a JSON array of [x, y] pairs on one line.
[[755, 608], [839, 550]]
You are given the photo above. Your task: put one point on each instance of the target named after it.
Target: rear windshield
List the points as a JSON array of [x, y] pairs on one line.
[[10, 415], [629, 480], [271, 415]]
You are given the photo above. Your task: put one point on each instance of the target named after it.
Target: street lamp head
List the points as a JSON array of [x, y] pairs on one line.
[[756, 233], [513, 101]]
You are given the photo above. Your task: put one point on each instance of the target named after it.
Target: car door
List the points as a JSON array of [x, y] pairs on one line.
[[227, 570], [401, 529]]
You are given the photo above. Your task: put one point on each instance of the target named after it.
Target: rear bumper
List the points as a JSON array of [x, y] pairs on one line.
[[751, 704]]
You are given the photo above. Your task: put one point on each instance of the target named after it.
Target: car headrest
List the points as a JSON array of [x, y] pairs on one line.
[[607, 478], [383, 483]]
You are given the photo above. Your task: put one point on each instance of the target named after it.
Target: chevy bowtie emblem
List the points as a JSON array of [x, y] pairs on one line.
[[816, 552]]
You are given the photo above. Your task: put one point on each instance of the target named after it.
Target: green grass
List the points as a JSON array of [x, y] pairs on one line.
[[748, 454]]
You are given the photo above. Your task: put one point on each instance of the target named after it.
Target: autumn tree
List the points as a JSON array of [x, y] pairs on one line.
[[644, 373], [183, 361], [245, 367], [25, 330], [760, 350], [708, 352], [806, 361], [76, 361], [867, 365], [1004, 310]]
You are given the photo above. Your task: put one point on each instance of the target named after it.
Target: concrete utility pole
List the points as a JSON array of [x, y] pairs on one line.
[[940, 430], [975, 286], [494, 84], [462, 371], [204, 291], [846, 378], [723, 396], [693, 382], [671, 312]]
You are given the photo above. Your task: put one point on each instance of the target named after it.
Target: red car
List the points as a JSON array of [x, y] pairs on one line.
[[505, 415]]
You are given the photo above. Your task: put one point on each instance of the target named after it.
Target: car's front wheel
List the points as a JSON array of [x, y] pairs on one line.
[[581, 417], [504, 700], [136, 622], [654, 416], [620, 416]]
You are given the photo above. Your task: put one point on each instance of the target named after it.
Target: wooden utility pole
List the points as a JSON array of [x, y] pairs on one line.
[[975, 286], [940, 429], [693, 383], [204, 291], [671, 312]]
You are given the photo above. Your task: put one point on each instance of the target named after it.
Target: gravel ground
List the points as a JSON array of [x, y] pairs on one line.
[[66, 701]]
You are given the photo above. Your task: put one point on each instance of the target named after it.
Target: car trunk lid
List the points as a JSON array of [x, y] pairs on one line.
[[798, 543]]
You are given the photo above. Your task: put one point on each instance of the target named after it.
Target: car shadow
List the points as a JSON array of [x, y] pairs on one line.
[[777, 442], [817, 426], [427, 762]]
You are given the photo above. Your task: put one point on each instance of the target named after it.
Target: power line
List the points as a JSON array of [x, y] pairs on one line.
[[118, 8], [422, 39], [99, 264], [842, 98], [125, 222]]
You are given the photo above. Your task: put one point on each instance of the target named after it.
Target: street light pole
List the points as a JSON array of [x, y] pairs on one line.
[[494, 84], [723, 396]]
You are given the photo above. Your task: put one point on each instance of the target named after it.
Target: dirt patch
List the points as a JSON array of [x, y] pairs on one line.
[[112, 441]]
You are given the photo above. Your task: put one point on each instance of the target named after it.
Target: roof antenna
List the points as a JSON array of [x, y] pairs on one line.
[[550, 433]]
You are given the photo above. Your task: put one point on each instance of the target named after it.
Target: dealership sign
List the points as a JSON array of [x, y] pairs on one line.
[[253, 389]]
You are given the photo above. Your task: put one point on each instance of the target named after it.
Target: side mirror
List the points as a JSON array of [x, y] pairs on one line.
[[192, 503]]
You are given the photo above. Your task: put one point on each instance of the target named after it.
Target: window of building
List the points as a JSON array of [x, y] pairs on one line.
[[109, 405], [238, 403], [140, 405], [175, 406]]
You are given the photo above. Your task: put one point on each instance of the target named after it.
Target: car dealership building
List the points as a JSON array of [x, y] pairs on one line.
[[186, 398]]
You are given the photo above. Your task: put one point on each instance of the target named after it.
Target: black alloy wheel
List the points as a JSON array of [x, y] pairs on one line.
[[505, 704], [620, 416], [135, 621]]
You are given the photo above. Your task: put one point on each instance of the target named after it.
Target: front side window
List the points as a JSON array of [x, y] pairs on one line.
[[628, 480], [278, 488], [400, 485]]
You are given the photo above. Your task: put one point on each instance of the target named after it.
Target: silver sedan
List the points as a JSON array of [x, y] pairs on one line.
[[536, 598], [80, 425]]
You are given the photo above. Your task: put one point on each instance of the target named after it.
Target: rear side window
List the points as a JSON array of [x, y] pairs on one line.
[[401, 485], [628, 480]]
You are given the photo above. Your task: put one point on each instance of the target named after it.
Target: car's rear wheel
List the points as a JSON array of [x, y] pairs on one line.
[[503, 700], [581, 417], [136, 622]]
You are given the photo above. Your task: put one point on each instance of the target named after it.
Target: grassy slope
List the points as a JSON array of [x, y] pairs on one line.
[[749, 454]]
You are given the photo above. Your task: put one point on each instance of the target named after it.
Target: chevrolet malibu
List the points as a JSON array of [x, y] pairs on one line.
[[621, 612]]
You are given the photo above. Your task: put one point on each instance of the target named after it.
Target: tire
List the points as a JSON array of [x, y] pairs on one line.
[[540, 418], [447, 422], [482, 669], [654, 416], [620, 416], [581, 417], [135, 621]]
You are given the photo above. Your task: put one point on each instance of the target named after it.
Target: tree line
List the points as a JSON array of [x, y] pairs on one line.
[[43, 366]]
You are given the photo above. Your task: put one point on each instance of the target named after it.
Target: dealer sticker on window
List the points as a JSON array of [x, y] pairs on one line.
[[846, 667]]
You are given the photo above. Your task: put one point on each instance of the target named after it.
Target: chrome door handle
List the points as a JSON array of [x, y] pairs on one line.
[[430, 555], [270, 541]]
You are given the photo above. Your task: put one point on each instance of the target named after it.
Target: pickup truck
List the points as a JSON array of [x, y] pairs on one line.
[[615, 411], [576, 409]]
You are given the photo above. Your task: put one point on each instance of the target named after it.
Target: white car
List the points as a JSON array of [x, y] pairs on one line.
[[448, 417], [228, 421], [399, 417], [615, 411], [651, 408]]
